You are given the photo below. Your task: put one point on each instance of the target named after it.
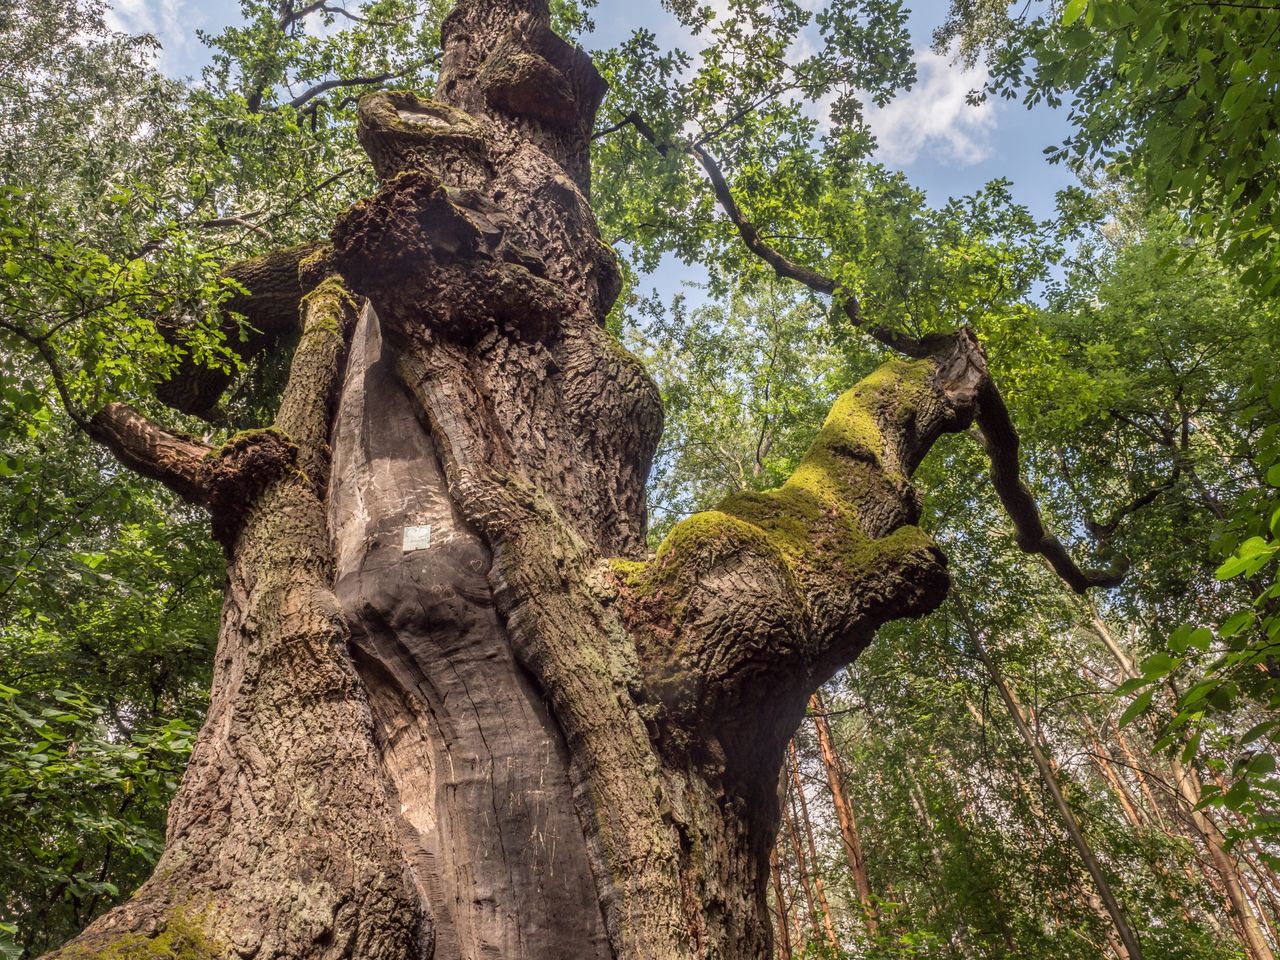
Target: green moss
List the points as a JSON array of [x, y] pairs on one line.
[[183, 938], [701, 538], [317, 264], [811, 522], [333, 289]]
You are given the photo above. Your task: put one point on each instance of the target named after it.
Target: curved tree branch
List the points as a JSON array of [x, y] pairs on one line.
[[325, 86], [177, 461], [1000, 438]]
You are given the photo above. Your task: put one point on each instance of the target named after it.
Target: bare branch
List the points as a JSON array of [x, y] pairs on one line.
[[1000, 440], [325, 86], [41, 345], [220, 222], [1103, 529]]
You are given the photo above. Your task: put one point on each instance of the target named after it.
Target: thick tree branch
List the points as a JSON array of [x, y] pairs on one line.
[[328, 318], [754, 240], [783, 266], [179, 462], [40, 343], [273, 291], [224, 480]]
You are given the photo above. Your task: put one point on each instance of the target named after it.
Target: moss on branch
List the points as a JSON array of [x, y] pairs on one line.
[[813, 521], [181, 937]]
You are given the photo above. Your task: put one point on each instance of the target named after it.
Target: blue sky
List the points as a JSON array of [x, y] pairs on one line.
[[946, 146]]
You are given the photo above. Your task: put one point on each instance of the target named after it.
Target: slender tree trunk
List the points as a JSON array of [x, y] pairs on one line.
[[1268, 881], [844, 813], [1103, 760], [828, 925], [1140, 774], [1188, 787], [1124, 932], [958, 941], [782, 924], [1119, 789], [804, 868]]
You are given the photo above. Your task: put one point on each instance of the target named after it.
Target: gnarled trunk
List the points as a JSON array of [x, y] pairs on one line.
[[457, 711]]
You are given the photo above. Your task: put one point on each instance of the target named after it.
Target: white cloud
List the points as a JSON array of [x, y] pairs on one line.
[[163, 19], [933, 117]]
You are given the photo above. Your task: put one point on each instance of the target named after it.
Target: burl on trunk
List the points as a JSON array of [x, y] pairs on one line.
[[457, 712]]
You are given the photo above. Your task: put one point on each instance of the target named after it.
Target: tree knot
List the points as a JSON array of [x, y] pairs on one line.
[[238, 471], [401, 131], [427, 252]]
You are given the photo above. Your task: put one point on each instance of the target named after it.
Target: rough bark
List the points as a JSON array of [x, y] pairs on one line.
[[281, 840], [516, 735]]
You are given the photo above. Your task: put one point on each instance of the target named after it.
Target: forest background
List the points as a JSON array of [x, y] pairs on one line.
[[1026, 772]]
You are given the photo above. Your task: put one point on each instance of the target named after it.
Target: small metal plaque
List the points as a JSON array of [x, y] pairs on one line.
[[417, 538]]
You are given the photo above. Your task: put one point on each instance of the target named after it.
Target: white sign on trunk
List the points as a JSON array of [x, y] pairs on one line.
[[417, 538]]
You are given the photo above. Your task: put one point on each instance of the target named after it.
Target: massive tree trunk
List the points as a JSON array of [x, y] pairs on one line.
[[457, 710]]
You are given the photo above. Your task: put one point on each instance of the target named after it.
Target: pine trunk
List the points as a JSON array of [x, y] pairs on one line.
[[845, 818]]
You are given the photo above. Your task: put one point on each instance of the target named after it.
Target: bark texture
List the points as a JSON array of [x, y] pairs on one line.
[[457, 711], [281, 841]]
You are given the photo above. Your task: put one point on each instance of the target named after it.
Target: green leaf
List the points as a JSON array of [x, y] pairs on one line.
[[1073, 11], [1236, 624], [1236, 796], [1157, 665], [1192, 747], [1201, 638], [1256, 732], [1140, 703], [1262, 764], [1131, 685]]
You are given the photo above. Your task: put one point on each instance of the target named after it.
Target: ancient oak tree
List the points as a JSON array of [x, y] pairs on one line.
[[457, 710]]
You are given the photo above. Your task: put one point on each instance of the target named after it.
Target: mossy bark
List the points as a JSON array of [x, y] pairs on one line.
[[457, 710]]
